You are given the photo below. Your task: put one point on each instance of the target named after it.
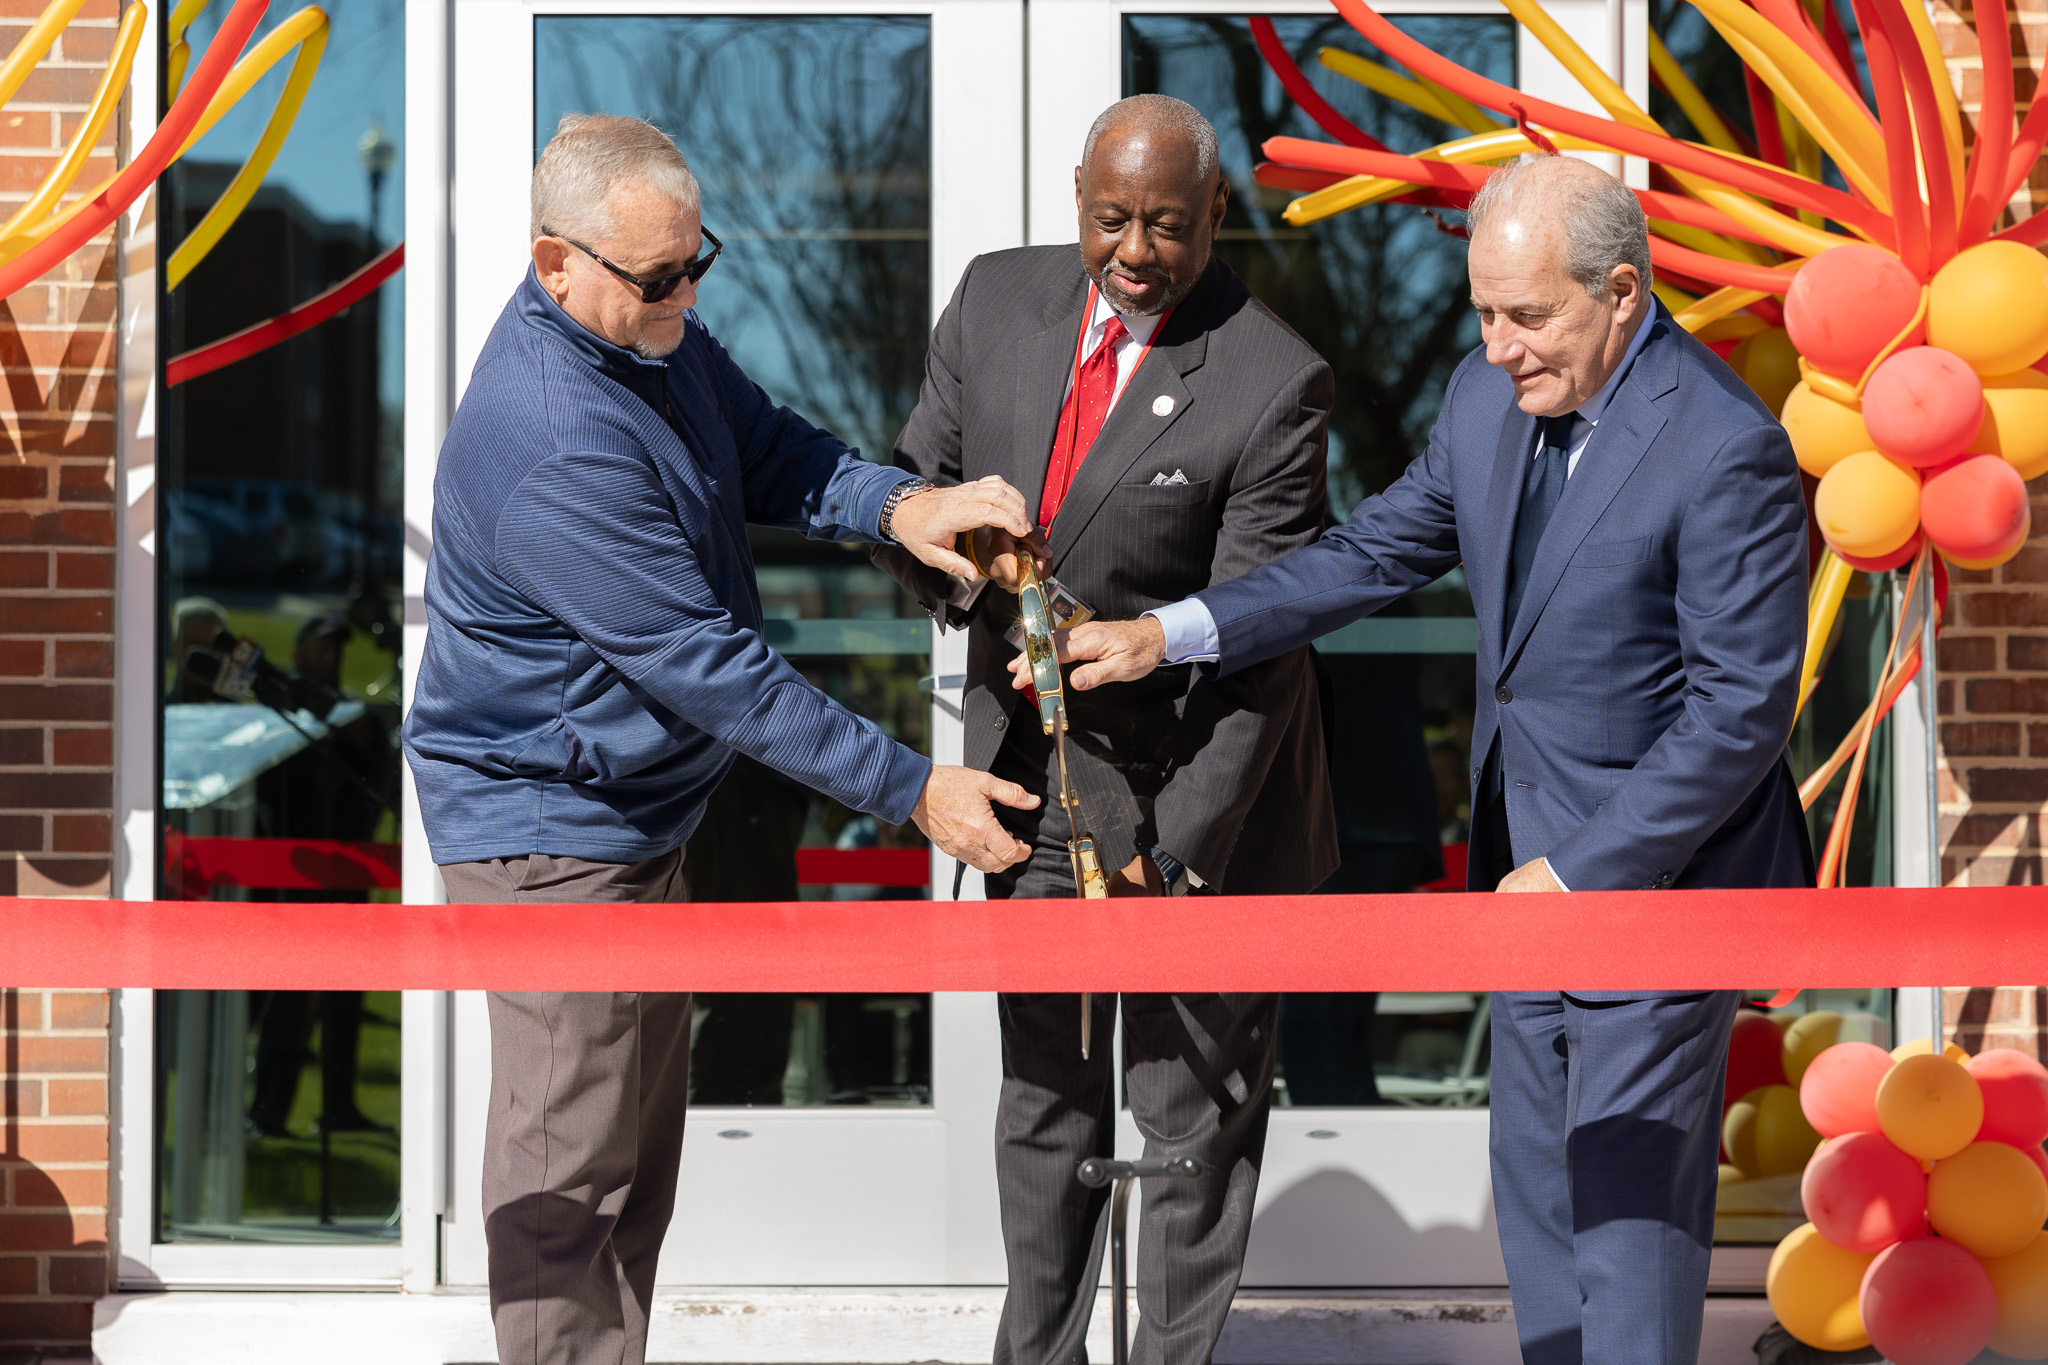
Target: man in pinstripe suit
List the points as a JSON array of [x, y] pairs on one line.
[[1167, 432]]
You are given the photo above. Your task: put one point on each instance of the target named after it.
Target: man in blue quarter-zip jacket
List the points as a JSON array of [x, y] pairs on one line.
[[594, 660]]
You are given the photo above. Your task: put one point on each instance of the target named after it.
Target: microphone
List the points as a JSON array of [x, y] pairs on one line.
[[239, 671]]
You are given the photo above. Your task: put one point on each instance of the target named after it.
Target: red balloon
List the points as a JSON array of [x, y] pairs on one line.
[[1839, 1090], [1883, 563], [1928, 1302], [1756, 1055], [2015, 1090], [1864, 1194], [1974, 508], [1923, 406], [1846, 304]]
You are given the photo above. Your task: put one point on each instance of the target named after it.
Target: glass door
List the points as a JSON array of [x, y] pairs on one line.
[[853, 163]]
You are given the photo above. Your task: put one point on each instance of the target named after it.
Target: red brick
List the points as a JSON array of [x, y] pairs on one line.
[[37, 1188], [82, 748], [83, 347], [2000, 870], [2025, 785], [83, 44], [46, 1323], [21, 746], [1989, 830], [2005, 608], [71, 873], [81, 834], [78, 1009], [56, 615], [21, 834], [85, 659], [29, 483], [21, 1098], [52, 1231], [1993, 738], [1966, 653], [2023, 653], [77, 1099], [65, 526], [21, 1010], [45, 1053], [84, 483], [78, 1276], [85, 571], [24, 569], [59, 85], [57, 701], [1993, 696], [18, 1275], [22, 658], [33, 128], [47, 1142], [56, 791]]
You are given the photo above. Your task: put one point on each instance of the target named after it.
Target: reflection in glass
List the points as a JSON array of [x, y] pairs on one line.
[[1381, 293], [811, 140], [279, 498]]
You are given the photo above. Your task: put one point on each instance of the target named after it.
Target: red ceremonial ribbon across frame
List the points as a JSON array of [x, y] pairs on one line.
[[1606, 940]]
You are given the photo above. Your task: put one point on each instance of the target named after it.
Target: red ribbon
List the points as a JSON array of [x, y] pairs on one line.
[[262, 336]]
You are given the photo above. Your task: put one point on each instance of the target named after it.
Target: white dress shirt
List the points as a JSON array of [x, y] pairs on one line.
[[1138, 330]]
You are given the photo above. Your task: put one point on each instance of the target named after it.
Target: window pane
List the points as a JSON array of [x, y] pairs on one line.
[[811, 140], [280, 479], [1381, 293]]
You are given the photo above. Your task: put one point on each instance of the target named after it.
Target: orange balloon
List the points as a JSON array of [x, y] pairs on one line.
[[1868, 505], [2015, 425], [1988, 1199], [2021, 1283], [1929, 1107], [1846, 304], [1769, 363], [1923, 406], [1823, 431], [1974, 508], [1924, 1047], [1990, 306], [1814, 1287]]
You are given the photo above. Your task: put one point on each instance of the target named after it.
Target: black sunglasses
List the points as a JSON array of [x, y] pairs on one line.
[[661, 286]]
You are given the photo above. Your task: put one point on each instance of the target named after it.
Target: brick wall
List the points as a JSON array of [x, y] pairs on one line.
[[1993, 655], [57, 434]]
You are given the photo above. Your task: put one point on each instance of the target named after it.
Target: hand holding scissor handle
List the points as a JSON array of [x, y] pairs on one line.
[[1002, 557]]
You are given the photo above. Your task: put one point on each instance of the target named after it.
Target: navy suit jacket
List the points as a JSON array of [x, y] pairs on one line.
[[1644, 693]]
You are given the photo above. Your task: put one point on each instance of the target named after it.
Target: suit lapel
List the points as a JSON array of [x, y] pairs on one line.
[[1619, 443], [1045, 359], [1511, 458]]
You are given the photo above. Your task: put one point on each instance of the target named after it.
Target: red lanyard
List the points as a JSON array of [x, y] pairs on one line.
[[1063, 440]]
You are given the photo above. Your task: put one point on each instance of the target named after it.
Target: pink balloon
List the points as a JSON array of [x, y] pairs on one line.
[[1883, 563], [1974, 508], [1863, 1194], [1846, 304], [1928, 1302], [1839, 1090], [1923, 406], [2015, 1090], [1756, 1054]]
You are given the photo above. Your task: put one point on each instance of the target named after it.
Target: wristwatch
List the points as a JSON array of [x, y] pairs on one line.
[[1172, 871], [909, 488]]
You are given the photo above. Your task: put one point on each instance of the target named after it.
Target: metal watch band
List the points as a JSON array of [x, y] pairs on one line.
[[1172, 872], [896, 496]]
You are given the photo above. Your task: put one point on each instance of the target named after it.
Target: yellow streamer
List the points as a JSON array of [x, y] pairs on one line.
[[181, 51], [1360, 190], [104, 102], [1469, 115], [41, 35], [1709, 123], [1676, 299], [1718, 304], [1734, 327], [1824, 603], [243, 187], [1383, 81]]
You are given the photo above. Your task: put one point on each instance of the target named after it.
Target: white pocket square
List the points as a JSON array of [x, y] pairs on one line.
[[1178, 477]]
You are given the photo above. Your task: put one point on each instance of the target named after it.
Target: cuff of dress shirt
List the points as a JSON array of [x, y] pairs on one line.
[[1190, 632], [1553, 875]]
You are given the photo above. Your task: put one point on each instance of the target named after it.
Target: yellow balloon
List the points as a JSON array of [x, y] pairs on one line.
[[1823, 431], [1813, 1286], [1730, 1175], [1990, 306], [1988, 1199], [1924, 1047], [2021, 1283], [1785, 1141], [1808, 1037], [1769, 363], [1930, 1107], [1738, 1134], [1868, 505], [2016, 421]]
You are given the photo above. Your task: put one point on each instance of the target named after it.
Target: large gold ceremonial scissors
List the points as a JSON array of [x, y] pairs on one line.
[[1035, 608]]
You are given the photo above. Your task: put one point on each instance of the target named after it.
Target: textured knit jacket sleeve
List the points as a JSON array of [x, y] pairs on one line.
[[1232, 727]]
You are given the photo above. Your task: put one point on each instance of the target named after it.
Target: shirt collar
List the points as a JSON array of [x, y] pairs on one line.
[[1593, 407], [1141, 327], [542, 313]]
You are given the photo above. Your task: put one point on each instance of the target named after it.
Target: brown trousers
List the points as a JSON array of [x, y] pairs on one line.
[[585, 1134]]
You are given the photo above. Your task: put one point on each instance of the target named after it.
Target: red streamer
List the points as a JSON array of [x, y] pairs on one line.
[[263, 335], [158, 153], [1941, 190], [1895, 116], [1621, 940], [1303, 94], [1986, 174]]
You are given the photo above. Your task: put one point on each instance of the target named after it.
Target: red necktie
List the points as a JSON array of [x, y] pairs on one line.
[[1084, 412]]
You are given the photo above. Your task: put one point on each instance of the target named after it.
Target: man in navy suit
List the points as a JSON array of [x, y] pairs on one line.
[[1632, 527]]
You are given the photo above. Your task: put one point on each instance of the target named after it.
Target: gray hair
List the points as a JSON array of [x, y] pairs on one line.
[[589, 156], [1159, 111], [1604, 225]]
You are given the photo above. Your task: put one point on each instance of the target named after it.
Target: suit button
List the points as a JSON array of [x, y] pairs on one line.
[[1503, 695], [1001, 721], [1666, 879]]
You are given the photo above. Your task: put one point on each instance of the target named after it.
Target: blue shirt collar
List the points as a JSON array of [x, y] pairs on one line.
[[538, 309]]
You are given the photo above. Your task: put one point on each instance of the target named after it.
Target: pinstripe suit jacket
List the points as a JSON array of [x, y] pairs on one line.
[[1245, 800]]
